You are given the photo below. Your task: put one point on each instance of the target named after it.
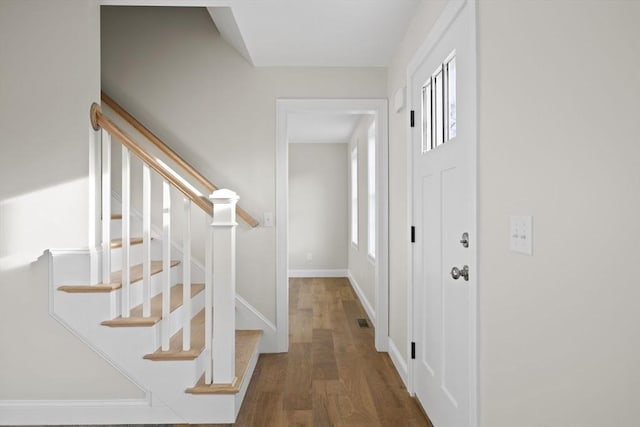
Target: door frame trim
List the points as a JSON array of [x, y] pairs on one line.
[[379, 108], [440, 27]]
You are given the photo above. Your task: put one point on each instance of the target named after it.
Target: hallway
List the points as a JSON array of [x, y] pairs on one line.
[[332, 375]]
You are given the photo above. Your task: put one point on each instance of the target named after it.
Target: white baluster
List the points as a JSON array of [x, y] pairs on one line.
[[186, 277], [95, 220], [166, 263], [208, 299], [126, 231], [224, 285], [106, 207], [146, 241]]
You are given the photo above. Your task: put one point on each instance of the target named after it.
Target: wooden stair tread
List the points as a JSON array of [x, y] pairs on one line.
[[135, 275], [117, 243], [90, 289], [175, 351], [247, 342], [136, 318], [116, 216]]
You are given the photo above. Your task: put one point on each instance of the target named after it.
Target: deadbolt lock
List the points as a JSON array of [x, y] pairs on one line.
[[464, 241]]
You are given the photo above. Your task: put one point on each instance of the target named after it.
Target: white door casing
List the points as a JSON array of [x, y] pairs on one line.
[[379, 109], [442, 311]]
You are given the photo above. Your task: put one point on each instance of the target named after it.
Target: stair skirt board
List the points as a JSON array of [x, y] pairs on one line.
[[136, 411], [124, 348]]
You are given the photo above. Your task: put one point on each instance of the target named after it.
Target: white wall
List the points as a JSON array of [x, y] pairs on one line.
[[559, 130], [50, 74], [318, 185], [416, 33], [361, 266], [170, 68]]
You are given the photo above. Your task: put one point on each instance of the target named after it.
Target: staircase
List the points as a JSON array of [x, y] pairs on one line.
[[146, 305]]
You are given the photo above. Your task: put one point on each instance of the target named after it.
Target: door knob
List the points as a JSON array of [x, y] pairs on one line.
[[456, 273]]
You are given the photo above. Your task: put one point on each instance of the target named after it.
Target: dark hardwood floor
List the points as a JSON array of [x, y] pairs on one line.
[[332, 375]]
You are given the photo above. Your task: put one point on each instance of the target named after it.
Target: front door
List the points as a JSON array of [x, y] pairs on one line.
[[444, 267]]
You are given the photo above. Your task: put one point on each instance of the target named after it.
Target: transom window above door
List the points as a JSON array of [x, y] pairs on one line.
[[439, 105]]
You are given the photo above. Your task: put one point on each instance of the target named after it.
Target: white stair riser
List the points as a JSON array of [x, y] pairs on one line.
[[175, 320], [135, 257], [126, 346], [135, 295], [135, 226]]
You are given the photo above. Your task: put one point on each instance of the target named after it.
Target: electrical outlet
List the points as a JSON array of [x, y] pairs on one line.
[[268, 219], [521, 234]]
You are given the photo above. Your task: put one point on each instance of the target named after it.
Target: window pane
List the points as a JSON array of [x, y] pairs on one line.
[[371, 183], [354, 195], [439, 107], [426, 117], [451, 71]]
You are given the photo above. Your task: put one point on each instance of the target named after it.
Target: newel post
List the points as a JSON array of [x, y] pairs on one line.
[[224, 285]]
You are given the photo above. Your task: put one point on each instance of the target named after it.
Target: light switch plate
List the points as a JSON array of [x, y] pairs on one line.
[[521, 234]]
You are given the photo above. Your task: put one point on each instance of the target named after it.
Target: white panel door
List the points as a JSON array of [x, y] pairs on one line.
[[443, 182]]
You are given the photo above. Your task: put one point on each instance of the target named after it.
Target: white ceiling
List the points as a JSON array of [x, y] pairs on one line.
[[329, 33], [330, 128], [345, 33]]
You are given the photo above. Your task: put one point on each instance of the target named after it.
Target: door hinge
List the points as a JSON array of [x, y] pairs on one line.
[[413, 350], [413, 234], [413, 118]]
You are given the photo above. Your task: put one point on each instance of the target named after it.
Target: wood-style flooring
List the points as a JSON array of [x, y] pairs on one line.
[[332, 375]]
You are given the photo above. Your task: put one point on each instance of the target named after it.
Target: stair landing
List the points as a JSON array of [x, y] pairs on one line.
[[247, 342]]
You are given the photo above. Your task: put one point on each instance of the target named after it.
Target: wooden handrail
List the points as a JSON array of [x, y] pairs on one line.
[[99, 120], [175, 157]]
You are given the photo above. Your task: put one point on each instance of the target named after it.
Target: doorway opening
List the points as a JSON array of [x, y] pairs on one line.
[[368, 118]]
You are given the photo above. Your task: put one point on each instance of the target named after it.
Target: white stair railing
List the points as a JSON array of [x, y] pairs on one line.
[[166, 264], [106, 207], [208, 300], [224, 286], [220, 252], [146, 241], [126, 233], [186, 277]]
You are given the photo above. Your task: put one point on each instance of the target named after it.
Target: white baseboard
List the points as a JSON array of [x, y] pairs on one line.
[[318, 273], [363, 299], [66, 412], [398, 361]]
